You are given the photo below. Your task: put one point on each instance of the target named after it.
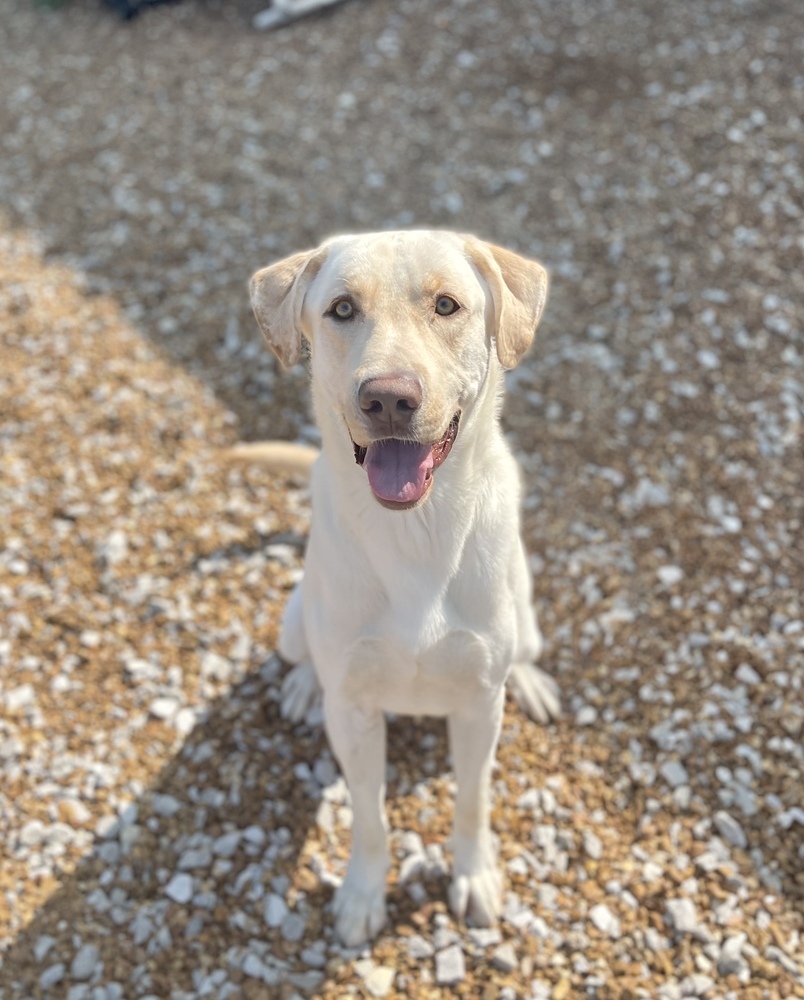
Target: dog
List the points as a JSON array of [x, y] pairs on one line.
[[416, 595]]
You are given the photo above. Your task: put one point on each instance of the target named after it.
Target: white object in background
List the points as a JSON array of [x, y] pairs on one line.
[[284, 11]]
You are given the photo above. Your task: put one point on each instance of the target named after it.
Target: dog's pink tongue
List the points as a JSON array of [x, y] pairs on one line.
[[397, 470]]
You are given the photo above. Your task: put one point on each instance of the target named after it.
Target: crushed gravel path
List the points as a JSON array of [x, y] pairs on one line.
[[165, 835]]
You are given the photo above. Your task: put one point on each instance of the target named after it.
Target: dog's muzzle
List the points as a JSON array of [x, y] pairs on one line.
[[400, 473]]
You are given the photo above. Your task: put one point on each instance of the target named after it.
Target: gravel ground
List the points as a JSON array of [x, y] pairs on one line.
[[165, 834]]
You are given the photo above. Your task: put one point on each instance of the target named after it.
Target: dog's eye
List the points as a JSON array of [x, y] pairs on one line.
[[343, 309], [446, 306]]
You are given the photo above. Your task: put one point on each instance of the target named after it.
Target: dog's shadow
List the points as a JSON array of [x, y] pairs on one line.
[[233, 851]]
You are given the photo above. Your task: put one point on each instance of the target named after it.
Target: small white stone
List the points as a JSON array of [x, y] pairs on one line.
[[33, 833], [418, 947], [20, 697], [163, 708], [730, 829], [275, 910], [215, 667], [379, 981], [696, 985], [255, 968], [504, 958], [293, 927], [141, 928], [411, 842], [84, 963], [42, 947], [180, 888], [184, 721], [586, 716], [128, 836], [528, 799], [325, 817], [788, 963], [746, 674], [165, 805], [549, 802], [674, 773], [450, 966], [654, 941], [730, 961], [453, 202], [195, 857], [107, 827], [115, 549], [255, 835], [114, 991], [315, 956], [592, 845], [708, 359], [484, 937], [651, 871], [52, 976], [670, 575], [226, 845], [518, 866], [325, 772], [682, 915], [444, 936], [788, 817], [605, 921]]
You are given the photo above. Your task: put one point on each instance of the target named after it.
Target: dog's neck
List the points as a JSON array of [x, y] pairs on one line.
[[415, 554]]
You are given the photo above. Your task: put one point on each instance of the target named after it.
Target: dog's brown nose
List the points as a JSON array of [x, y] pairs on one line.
[[389, 401]]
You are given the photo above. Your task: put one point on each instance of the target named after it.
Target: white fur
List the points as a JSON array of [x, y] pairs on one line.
[[425, 611]]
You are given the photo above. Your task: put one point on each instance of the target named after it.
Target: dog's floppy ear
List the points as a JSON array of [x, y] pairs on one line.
[[277, 296], [519, 289]]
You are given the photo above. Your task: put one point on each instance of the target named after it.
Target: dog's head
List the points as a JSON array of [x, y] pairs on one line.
[[403, 329]]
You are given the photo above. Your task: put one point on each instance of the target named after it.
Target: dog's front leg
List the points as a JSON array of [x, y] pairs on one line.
[[358, 741], [476, 884]]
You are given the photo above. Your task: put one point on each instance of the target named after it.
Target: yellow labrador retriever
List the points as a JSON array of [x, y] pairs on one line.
[[416, 597]]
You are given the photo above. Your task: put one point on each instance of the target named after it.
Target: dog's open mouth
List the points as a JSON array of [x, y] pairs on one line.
[[400, 473]]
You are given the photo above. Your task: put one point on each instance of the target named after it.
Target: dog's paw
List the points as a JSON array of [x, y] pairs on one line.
[[477, 896], [359, 911], [300, 690], [535, 692]]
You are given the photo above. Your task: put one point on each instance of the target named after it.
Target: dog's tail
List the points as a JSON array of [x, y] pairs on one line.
[[283, 457]]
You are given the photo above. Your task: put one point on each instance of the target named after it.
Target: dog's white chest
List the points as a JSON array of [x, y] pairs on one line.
[[453, 672]]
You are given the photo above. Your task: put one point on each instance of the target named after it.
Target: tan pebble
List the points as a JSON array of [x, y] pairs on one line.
[[664, 963], [591, 891], [305, 880], [761, 967], [562, 990]]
